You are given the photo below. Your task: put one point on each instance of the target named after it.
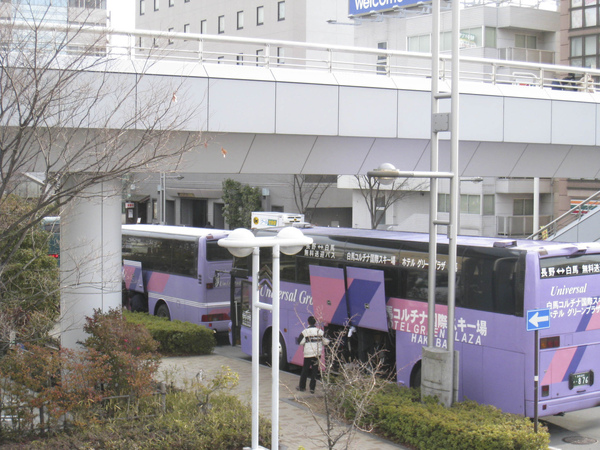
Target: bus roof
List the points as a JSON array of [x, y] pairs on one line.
[[173, 231], [548, 248]]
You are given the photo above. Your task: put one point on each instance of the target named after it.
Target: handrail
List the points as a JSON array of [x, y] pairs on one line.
[[221, 49], [576, 213]]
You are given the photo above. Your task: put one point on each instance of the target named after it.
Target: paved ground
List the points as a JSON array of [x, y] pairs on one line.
[[298, 429]]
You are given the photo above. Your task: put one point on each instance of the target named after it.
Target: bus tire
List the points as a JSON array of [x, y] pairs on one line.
[[163, 311], [138, 303], [283, 363], [415, 376]]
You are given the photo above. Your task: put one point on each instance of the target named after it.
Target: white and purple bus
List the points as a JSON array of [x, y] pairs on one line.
[[376, 282], [177, 272]]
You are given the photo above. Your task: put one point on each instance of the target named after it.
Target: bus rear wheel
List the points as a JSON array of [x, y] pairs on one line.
[[138, 303], [163, 311]]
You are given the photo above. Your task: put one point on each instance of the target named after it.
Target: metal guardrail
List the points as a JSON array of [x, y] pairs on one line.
[[516, 226], [575, 214], [143, 45]]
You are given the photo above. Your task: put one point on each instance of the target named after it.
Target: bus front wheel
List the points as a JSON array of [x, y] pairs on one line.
[[163, 311], [415, 378], [267, 351]]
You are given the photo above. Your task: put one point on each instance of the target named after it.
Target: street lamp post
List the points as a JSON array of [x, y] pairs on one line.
[[162, 187], [434, 360], [241, 243]]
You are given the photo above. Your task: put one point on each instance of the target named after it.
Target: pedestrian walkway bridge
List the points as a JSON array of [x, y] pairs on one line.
[[287, 107]]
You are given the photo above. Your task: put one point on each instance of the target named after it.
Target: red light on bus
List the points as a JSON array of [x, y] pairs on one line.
[[545, 390], [214, 317], [54, 255], [550, 342]]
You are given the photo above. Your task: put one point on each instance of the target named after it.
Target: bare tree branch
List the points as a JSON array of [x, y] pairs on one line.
[[380, 197], [68, 106]]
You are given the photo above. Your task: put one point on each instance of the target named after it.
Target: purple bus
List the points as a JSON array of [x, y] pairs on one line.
[[179, 273], [376, 281]]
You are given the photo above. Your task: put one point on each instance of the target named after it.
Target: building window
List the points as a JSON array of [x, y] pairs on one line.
[[156, 5], [420, 43], [220, 59], [470, 204], [584, 13], [203, 26], [584, 51], [171, 3], [260, 15], [186, 1], [523, 207], [170, 31], [240, 20], [221, 24], [382, 59], [281, 11], [259, 56], [186, 28], [525, 41], [240, 59], [489, 205], [443, 203], [142, 7], [280, 59]]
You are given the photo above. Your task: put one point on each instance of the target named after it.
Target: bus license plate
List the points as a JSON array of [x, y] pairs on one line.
[[581, 379]]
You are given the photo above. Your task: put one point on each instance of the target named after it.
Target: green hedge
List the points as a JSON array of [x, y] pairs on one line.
[[401, 416], [176, 337]]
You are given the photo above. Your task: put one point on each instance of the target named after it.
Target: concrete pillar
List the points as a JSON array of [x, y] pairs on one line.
[[439, 375], [90, 257]]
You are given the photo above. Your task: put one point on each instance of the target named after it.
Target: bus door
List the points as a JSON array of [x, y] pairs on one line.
[[353, 299], [214, 265], [132, 276], [328, 290]]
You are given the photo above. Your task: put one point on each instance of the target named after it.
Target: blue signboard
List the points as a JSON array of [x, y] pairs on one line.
[[358, 7], [538, 319]]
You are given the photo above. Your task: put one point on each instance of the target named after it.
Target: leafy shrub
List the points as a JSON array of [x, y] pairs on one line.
[[129, 349], [402, 417], [176, 337], [186, 424]]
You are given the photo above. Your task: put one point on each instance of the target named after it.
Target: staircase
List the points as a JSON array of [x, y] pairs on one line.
[[580, 224]]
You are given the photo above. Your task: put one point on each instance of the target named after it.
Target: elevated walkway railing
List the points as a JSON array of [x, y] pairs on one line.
[[148, 46], [576, 214]]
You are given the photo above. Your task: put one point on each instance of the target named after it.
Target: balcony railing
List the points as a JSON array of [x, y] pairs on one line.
[[527, 55], [517, 226]]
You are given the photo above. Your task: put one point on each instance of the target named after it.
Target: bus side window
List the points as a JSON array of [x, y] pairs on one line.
[[504, 285], [416, 284], [477, 280], [287, 266]]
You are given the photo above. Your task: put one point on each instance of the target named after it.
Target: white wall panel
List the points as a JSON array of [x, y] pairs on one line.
[[241, 106], [414, 114], [337, 155], [573, 123], [532, 164], [527, 120], [481, 118], [367, 112], [307, 109], [278, 154]]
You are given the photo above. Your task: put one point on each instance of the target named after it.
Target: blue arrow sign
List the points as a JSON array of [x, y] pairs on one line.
[[538, 319]]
